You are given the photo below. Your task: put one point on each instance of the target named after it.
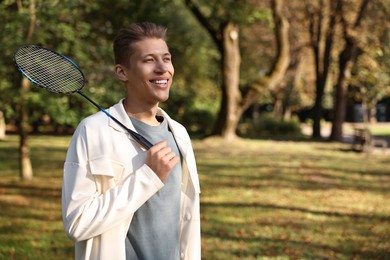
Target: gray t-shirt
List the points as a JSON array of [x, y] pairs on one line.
[[154, 230]]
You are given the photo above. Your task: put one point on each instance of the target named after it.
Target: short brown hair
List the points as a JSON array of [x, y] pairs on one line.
[[134, 33]]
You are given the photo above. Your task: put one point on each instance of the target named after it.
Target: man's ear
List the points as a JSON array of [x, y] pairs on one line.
[[120, 72]]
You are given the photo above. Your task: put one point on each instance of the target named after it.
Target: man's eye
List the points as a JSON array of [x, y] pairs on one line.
[[167, 59]]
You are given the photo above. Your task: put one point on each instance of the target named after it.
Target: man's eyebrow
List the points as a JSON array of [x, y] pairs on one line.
[[156, 54]]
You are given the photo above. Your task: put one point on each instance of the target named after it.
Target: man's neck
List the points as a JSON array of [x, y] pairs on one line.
[[143, 114]]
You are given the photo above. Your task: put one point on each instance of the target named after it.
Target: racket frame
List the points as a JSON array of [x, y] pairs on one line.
[[137, 137]]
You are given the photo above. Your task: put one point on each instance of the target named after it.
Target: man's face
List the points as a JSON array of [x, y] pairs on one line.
[[150, 73]]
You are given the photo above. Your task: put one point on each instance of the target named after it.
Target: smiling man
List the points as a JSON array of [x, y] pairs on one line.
[[120, 201]]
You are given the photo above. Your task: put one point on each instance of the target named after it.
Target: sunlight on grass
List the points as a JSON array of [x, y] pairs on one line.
[[261, 199], [292, 200], [30, 218]]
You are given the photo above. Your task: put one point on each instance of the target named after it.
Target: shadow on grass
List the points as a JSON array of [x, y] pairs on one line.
[[285, 231], [36, 191], [257, 206], [287, 248], [292, 200], [31, 222], [302, 178], [21, 200]]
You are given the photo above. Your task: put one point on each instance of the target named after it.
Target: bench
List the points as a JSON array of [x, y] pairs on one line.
[[364, 141]]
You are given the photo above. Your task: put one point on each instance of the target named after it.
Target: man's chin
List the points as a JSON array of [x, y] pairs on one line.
[[162, 100]]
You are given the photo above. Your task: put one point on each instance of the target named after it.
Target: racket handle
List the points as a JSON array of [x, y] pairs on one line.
[[139, 138]]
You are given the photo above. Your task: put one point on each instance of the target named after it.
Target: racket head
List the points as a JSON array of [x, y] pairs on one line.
[[49, 69]]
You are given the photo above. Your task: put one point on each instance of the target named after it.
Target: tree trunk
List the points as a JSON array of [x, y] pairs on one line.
[[345, 65], [226, 39], [276, 75], [346, 60], [278, 106], [317, 111], [26, 171], [366, 117], [371, 111], [321, 40], [294, 73], [229, 114], [2, 126]]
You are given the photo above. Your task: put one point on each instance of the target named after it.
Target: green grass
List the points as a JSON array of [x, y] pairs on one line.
[[377, 129], [380, 129], [260, 199], [30, 212], [290, 199]]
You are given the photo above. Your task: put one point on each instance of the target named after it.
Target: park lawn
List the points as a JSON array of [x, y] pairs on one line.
[[261, 199]]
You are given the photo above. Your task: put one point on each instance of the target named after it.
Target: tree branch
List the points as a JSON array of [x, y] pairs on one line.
[[362, 11], [282, 59], [335, 6], [205, 23]]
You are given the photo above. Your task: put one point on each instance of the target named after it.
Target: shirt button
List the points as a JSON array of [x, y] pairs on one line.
[[188, 216], [182, 255]]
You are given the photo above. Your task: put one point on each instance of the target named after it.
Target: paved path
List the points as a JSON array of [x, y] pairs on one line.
[[348, 134]]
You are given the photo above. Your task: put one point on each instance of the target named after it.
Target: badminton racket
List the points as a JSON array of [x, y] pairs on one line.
[[59, 74]]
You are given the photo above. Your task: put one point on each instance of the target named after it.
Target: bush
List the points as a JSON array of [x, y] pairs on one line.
[[200, 121], [269, 125]]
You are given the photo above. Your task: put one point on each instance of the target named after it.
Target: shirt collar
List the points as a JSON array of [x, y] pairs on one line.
[[118, 111]]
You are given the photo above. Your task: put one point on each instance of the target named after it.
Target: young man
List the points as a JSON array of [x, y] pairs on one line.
[[120, 201]]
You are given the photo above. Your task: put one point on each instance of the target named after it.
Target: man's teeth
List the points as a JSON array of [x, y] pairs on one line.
[[164, 81]]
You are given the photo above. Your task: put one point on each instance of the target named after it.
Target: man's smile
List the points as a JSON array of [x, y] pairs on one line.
[[163, 81]]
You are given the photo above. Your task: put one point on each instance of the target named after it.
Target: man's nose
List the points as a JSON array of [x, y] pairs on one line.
[[162, 66]]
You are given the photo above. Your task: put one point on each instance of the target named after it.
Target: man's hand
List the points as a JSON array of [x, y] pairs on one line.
[[161, 159]]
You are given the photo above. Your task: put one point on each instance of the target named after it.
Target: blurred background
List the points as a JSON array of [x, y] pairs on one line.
[[300, 61], [289, 70]]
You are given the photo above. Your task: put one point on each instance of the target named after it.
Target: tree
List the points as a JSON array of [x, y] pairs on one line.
[[25, 167], [2, 126], [32, 22], [273, 79], [322, 21], [370, 75], [222, 24], [347, 57], [193, 95]]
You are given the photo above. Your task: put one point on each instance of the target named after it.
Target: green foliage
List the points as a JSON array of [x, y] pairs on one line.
[[196, 111], [371, 74], [83, 31], [194, 95], [240, 12], [269, 125], [59, 26], [200, 121]]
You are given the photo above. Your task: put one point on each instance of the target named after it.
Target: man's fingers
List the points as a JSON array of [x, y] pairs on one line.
[[174, 161], [162, 150], [167, 154], [157, 147], [161, 159], [170, 158]]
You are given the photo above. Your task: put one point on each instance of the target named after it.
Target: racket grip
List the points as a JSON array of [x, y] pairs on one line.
[[141, 140]]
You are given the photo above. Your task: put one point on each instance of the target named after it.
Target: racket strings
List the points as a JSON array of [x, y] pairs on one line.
[[49, 69]]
